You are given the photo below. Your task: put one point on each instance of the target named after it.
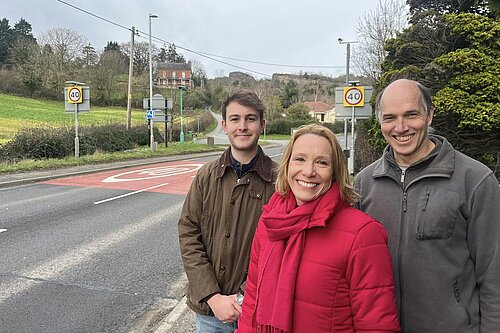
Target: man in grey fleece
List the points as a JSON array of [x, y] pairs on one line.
[[441, 210]]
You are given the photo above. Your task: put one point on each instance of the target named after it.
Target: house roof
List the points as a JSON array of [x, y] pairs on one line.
[[318, 106], [174, 66]]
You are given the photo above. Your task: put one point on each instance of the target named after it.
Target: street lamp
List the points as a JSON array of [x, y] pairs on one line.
[[151, 139], [181, 136]]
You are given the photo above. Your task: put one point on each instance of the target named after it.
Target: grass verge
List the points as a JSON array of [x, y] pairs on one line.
[[98, 158]]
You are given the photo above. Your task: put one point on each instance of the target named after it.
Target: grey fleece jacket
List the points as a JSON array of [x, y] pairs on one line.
[[442, 216]]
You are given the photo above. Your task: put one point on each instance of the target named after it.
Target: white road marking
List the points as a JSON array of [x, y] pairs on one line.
[[151, 173], [130, 193], [54, 268], [2, 230]]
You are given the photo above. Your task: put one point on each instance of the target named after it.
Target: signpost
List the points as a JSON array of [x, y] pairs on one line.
[[155, 111], [350, 104], [76, 99]]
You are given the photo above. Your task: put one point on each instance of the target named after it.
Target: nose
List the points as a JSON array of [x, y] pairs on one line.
[[401, 125], [309, 169], [242, 125]]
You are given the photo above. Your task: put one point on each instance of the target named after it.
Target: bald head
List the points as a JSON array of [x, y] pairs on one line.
[[400, 87]]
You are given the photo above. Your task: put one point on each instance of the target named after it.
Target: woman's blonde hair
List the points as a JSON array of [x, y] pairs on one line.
[[339, 163]]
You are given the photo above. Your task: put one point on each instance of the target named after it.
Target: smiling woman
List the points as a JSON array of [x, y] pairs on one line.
[[312, 249]]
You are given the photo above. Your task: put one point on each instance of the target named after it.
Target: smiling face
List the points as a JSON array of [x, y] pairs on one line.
[[405, 122], [310, 168], [242, 126]]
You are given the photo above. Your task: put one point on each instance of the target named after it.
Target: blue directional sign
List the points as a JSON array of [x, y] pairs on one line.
[[150, 114]]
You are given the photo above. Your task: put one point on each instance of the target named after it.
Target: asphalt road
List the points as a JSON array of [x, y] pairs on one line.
[[95, 252]]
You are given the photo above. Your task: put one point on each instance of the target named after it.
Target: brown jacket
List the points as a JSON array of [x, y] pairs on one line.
[[217, 225]]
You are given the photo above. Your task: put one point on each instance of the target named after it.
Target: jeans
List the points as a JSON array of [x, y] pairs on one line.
[[210, 324]]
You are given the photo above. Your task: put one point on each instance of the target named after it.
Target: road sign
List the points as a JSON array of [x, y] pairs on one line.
[[83, 106], [75, 95], [150, 114], [354, 96], [345, 112]]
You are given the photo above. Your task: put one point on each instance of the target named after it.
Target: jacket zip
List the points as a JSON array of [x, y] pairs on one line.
[[401, 283], [420, 223]]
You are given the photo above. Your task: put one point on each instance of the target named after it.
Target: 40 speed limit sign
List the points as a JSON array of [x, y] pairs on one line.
[[75, 95], [354, 96]]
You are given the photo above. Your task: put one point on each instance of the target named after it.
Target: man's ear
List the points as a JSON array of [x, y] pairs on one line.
[[223, 124], [430, 115]]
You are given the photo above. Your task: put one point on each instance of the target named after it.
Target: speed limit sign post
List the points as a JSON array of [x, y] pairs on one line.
[[76, 99], [354, 96]]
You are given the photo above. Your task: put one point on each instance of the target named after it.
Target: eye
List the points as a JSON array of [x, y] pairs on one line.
[[323, 163], [252, 118], [387, 118], [298, 159], [413, 115], [234, 119]]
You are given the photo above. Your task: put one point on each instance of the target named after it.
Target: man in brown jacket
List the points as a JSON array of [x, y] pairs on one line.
[[220, 214]]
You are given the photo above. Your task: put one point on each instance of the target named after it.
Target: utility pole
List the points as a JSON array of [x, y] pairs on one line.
[[130, 74]]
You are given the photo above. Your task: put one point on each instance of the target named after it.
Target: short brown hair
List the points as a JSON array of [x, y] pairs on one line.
[[246, 98], [339, 163]]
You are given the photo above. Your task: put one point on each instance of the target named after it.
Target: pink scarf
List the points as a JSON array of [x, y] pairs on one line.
[[285, 223]]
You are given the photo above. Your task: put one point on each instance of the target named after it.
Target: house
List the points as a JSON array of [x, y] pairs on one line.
[[321, 111], [174, 74]]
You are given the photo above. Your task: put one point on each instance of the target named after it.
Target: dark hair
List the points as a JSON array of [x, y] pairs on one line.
[[425, 99], [246, 98]]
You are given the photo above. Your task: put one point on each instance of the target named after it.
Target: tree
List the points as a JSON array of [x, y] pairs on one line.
[[298, 111], [456, 56], [67, 46], [141, 56], [290, 94], [89, 55], [6, 40], [199, 75], [29, 63], [373, 30], [170, 55], [112, 46]]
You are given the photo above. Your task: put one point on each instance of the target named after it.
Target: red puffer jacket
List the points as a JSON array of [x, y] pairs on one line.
[[344, 280]]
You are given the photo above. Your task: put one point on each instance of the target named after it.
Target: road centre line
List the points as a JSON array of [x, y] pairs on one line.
[[128, 194]]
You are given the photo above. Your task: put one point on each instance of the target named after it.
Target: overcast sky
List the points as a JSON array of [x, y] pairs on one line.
[[286, 32]]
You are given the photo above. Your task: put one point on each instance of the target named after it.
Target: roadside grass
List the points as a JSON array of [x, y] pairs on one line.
[[98, 158], [20, 112]]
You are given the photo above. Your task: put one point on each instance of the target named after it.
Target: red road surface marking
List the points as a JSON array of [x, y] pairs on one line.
[[178, 175]]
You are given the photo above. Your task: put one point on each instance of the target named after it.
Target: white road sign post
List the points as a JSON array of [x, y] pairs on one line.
[[75, 96]]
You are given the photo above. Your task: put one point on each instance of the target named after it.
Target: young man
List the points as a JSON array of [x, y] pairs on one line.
[[220, 214], [441, 210]]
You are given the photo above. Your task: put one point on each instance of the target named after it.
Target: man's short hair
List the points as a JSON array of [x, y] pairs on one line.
[[425, 99], [246, 98]]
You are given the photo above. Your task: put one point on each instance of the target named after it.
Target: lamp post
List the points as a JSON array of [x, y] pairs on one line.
[[181, 136], [347, 83], [151, 139]]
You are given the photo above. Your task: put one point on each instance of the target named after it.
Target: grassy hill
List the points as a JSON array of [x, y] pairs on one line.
[[20, 112]]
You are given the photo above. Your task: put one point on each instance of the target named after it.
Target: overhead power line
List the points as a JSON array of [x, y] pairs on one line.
[[207, 55]]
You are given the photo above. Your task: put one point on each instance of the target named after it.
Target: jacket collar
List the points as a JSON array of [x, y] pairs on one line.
[[440, 161], [263, 165]]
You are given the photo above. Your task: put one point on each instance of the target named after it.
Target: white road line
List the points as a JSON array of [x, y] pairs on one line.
[[2, 230], [57, 266], [127, 194], [271, 156]]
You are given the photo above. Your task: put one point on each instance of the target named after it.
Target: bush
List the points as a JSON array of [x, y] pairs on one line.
[[48, 142], [284, 126]]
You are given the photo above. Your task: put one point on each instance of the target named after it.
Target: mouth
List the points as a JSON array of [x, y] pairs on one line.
[[306, 184], [403, 138]]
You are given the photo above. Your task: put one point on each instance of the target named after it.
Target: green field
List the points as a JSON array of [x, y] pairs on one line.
[[19, 112]]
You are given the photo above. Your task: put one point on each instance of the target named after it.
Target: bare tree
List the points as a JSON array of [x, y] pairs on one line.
[[66, 45], [373, 30]]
